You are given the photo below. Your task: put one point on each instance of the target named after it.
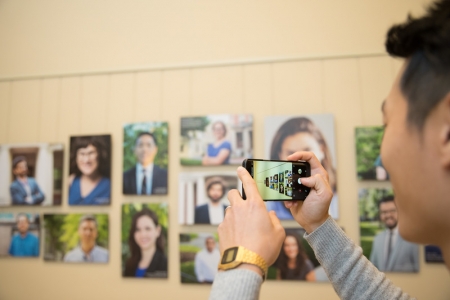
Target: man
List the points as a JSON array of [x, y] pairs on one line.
[[390, 252], [415, 152], [213, 211], [24, 190], [206, 261], [24, 243], [145, 178], [87, 251]]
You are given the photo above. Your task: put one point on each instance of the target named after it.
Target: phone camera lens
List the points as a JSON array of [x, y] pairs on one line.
[[299, 171], [299, 181]]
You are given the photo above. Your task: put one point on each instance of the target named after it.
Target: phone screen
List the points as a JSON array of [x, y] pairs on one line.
[[279, 180]]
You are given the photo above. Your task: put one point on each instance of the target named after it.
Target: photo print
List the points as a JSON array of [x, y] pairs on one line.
[[90, 170], [203, 196], [144, 240], [31, 174], [380, 239], [216, 140], [145, 158], [20, 234], [296, 260], [199, 257], [285, 135], [76, 238], [368, 159]]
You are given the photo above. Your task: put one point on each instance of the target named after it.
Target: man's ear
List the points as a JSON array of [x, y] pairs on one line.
[[444, 136]]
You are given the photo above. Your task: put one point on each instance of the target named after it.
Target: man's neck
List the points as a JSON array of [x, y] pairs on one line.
[[145, 165], [22, 178], [23, 235], [87, 248], [214, 204], [393, 229]]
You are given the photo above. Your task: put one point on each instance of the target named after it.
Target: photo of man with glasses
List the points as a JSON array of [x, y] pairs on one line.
[[390, 252], [145, 178]]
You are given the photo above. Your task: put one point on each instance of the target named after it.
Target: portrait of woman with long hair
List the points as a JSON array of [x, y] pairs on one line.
[[302, 134], [146, 246], [293, 263]]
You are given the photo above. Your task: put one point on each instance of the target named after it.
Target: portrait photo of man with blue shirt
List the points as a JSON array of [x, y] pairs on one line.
[[24, 243]]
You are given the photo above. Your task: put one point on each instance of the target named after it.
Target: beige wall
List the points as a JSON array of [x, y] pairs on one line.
[[161, 50]]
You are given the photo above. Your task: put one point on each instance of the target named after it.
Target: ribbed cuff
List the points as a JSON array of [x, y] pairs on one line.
[[236, 284]]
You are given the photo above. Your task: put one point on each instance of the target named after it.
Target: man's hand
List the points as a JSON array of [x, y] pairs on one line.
[[247, 223], [312, 212]]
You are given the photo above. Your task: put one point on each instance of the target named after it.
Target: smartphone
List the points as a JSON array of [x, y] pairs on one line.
[[278, 180]]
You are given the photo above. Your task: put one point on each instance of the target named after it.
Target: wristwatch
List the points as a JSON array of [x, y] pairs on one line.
[[235, 256]]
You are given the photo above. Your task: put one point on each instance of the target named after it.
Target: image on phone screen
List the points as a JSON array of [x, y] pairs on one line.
[[279, 180]]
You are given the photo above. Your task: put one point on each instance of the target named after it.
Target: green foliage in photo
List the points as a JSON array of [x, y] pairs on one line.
[[187, 271], [368, 144], [370, 224], [368, 203], [191, 124]]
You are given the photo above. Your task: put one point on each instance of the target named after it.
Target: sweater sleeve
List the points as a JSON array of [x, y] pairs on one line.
[[236, 284], [352, 274]]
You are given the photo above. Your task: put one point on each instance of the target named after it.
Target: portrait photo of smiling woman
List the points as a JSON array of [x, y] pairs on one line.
[[144, 236], [90, 170]]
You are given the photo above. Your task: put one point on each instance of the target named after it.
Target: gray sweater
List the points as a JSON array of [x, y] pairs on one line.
[[351, 273]]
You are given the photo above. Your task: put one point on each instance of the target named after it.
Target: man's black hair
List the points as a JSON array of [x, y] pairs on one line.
[[90, 218], [17, 160], [213, 182], [425, 42], [145, 133], [389, 198]]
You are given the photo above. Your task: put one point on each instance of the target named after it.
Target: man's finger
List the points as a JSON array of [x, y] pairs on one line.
[[289, 204], [274, 218], [248, 182], [317, 182], [234, 196]]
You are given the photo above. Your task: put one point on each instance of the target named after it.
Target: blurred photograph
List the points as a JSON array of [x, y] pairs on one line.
[[380, 239], [31, 174], [145, 158], [368, 159], [76, 238], [90, 170], [144, 240], [199, 257], [19, 235], [202, 197], [216, 140], [285, 135], [433, 254], [296, 260]]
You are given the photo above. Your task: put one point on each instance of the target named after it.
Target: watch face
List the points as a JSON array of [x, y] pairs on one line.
[[229, 255]]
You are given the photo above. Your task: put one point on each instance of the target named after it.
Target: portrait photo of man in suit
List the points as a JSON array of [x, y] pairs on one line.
[[145, 177], [390, 252], [212, 212], [24, 190]]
